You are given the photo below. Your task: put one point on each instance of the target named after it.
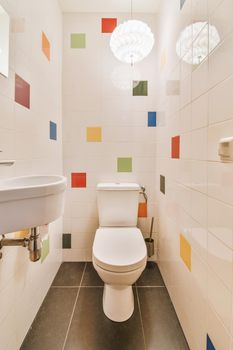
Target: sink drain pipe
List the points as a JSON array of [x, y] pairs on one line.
[[33, 243]]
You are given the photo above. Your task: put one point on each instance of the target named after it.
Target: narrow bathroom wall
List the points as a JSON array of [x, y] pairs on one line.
[[109, 120], [30, 133], [194, 187]]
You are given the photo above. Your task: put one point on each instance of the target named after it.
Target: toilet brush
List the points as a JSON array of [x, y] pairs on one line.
[[149, 241]]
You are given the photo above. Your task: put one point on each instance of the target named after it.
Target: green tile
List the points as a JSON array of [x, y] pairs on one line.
[[124, 165], [162, 184], [66, 241], [140, 88], [45, 249], [78, 41]]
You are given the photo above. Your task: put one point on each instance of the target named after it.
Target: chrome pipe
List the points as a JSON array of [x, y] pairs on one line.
[[33, 243]]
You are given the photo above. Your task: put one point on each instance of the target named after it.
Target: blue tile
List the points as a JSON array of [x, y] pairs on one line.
[[53, 131], [209, 344], [151, 119]]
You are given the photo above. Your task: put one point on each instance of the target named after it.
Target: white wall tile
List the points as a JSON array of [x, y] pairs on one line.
[[198, 200], [200, 112], [220, 221], [24, 135], [220, 260], [220, 299]]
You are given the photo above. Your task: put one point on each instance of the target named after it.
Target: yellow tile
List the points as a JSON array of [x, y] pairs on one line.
[[94, 134], [21, 234], [185, 252]]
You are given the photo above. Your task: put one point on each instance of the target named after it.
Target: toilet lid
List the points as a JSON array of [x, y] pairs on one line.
[[119, 249]]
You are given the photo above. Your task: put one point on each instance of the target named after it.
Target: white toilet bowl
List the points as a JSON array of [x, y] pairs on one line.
[[119, 257]]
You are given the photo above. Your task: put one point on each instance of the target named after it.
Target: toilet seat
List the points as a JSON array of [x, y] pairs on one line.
[[119, 249]]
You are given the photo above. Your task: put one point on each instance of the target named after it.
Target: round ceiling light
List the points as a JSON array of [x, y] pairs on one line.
[[132, 41], [196, 41]]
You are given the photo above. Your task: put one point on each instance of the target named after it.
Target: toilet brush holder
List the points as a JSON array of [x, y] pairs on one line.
[[149, 241], [150, 246]]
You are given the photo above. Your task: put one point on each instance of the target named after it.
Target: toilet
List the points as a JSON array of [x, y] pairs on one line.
[[119, 252]]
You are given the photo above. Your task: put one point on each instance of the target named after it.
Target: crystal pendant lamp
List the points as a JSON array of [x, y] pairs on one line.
[[132, 41]]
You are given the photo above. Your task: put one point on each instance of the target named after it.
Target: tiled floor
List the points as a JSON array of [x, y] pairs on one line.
[[71, 316]]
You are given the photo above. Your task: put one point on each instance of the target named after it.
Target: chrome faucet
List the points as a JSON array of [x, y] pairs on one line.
[[6, 162]]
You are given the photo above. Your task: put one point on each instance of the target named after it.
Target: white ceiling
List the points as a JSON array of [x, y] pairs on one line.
[[104, 6]]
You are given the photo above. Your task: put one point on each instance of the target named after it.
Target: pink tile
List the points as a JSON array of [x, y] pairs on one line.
[[22, 92]]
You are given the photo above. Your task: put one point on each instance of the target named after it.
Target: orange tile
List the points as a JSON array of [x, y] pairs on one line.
[[45, 46], [108, 25], [186, 252], [142, 210]]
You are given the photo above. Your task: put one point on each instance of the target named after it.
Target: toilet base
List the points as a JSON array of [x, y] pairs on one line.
[[118, 302]]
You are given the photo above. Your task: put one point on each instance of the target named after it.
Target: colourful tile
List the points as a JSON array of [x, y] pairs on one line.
[[108, 25], [45, 45], [78, 180], [45, 249], [78, 41], [173, 87], [21, 234], [94, 134], [52, 131], [185, 251], [162, 184], [142, 210], [22, 92], [140, 88], [209, 344], [66, 241], [151, 119], [124, 165], [175, 147]]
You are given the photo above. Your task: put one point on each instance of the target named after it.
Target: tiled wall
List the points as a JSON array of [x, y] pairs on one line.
[[196, 196], [109, 120], [30, 133]]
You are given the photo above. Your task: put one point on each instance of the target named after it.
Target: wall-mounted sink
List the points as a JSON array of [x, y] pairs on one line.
[[30, 201]]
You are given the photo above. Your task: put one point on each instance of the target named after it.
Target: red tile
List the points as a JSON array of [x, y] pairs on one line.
[[22, 92], [78, 180], [108, 25], [176, 147]]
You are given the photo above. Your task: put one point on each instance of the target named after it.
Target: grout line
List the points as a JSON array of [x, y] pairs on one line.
[[139, 307], [151, 286], [92, 287], [57, 287], [75, 303]]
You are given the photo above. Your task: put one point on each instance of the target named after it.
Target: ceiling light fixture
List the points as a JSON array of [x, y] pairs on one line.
[[196, 41], [132, 41]]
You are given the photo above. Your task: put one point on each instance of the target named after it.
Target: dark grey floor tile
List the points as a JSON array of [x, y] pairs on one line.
[[92, 330], [91, 277], [49, 328], [161, 325], [151, 276], [69, 274]]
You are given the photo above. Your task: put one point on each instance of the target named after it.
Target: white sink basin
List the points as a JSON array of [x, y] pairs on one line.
[[30, 201]]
